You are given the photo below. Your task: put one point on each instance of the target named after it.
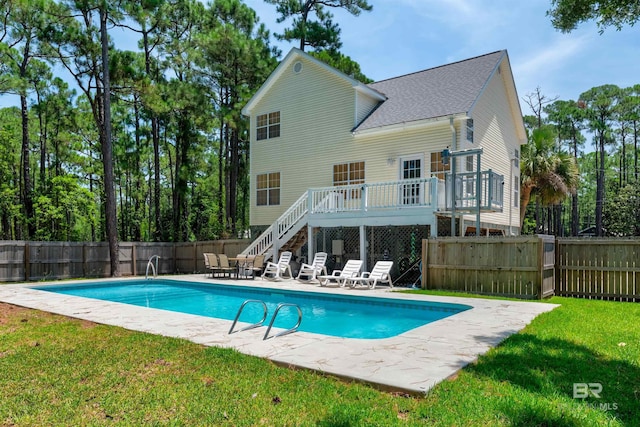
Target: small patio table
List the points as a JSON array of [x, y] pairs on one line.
[[242, 264]]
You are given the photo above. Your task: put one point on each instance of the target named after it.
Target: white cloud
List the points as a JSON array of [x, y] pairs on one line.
[[547, 59]]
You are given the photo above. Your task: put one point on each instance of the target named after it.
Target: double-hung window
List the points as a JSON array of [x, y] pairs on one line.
[[268, 189], [470, 130], [268, 125]]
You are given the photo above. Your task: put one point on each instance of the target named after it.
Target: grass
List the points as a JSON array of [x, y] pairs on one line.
[[60, 371]]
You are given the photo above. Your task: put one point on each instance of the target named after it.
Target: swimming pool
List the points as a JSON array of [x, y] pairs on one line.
[[328, 314]]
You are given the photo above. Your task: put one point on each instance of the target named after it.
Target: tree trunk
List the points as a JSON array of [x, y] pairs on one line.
[[235, 164], [559, 222], [43, 144], [138, 211], [221, 163], [575, 220], [27, 196], [305, 14], [525, 198], [600, 185], [107, 154], [635, 151], [155, 136], [574, 215]]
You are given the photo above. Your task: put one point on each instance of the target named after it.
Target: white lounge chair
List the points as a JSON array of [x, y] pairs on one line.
[[350, 269], [379, 274], [308, 272], [275, 271]]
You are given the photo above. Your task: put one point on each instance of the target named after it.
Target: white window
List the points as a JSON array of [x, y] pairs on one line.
[[268, 189], [268, 126], [348, 174], [516, 191], [470, 130], [516, 158], [469, 164]]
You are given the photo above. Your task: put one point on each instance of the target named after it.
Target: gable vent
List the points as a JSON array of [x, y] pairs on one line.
[[297, 67]]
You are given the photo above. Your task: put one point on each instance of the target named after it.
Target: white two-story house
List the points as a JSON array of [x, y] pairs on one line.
[[365, 170]]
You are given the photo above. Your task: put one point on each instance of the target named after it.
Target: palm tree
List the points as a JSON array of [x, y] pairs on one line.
[[550, 174]]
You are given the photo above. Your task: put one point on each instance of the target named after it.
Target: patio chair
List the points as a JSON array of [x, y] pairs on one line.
[[224, 266], [308, 272], [379, 274], [350, 269], [207, 266], [211, 263], [275, 271], [256, 267]]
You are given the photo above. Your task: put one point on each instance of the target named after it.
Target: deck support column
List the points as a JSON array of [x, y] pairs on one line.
[[310, 244], [363, 247], [434, 206]]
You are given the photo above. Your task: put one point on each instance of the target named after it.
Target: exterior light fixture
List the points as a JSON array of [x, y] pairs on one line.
[[445, 156]]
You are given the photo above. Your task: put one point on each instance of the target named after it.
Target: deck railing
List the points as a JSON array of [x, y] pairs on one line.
[[376, 196], [491, 190], [395, 196]]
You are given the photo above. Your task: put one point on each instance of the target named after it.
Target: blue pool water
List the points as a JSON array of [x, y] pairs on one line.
[[327, 314]]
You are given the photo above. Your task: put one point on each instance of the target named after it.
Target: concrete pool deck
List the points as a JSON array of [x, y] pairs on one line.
[[413, 362]]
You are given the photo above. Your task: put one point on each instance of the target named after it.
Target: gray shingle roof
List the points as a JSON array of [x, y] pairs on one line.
[[436, 92]]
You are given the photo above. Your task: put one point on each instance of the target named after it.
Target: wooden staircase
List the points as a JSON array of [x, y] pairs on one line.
[[289, 232], [296, 242]]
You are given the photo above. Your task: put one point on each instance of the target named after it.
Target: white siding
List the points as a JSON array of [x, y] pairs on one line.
[[317, 111], [364, 106], [393, 145], [495, 132]]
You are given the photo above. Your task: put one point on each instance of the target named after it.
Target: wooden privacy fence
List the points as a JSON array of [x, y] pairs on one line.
[[534, 266], [26, 261], [521, 267], [598, 268]]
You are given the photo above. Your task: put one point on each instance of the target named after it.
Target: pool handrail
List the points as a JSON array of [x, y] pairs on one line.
[[254, 325], [154, 267], [275, 313]]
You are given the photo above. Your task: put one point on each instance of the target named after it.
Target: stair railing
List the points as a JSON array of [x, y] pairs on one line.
[[279, 228]]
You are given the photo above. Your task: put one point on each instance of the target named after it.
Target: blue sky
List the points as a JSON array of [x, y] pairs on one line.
[[403, 36]]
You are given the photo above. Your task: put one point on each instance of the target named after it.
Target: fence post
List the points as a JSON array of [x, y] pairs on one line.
[[556, 266], [27, 262], [425, 263], [84, 260], [133, 259], [175, 261], [540, 273]]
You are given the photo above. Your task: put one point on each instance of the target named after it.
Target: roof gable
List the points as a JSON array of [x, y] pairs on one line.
[[294, 55], [437, 92]]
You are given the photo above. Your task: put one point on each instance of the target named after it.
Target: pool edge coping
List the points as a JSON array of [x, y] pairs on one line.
[[411, 362]]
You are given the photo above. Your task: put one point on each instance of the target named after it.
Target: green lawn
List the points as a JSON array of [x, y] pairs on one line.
[[60, 371]]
